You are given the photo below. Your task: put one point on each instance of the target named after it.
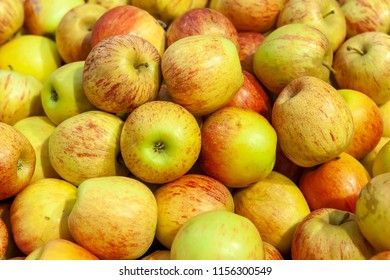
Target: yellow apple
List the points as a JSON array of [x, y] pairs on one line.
[[385, 111], [382, 161], [12, 18]]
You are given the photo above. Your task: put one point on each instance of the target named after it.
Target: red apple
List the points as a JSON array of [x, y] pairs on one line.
[[248, 43]]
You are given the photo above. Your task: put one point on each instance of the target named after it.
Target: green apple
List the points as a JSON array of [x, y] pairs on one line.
[[217, 235], [385, 112], [114, 217], [368, 160], [160, 141], [12, 18], [20, 96], [40, 213], [381, 162], [63, 93], [373, 211]]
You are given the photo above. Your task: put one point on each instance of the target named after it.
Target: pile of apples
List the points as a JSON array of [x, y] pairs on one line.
[[195, 129]]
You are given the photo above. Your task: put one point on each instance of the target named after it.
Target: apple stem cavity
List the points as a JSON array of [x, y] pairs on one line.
[[331, 12], [54, 95], [158, 147], [349, 48]]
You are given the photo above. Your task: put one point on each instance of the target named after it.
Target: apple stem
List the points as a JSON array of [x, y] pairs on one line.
[[158, 146], [330, 68], [349, 48], [331, 12], [345, 218], [10, 67], [146, 65], [162, 23]]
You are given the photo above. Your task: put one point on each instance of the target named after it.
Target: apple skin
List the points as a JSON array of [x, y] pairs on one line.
[[3, 239], [385, 112], [233, 131], [330, 234], [313, 122], [60, 249], [160, 141], [40, 213], [276, 206], [334, 184], [12, 18], [158, 255], [284, 55], [182, 199], [381, 163], [202, 72], [73, 34], [108, 4], [128, 19], [34, 55], [362, 63], [201, 21], [20, 96], [368, 160], [286, 167], [384, 255], [248, 44], [85, 140], [367, 121], [271, 253], [217, 235], [372, 211], [114, 217], [17, 161]]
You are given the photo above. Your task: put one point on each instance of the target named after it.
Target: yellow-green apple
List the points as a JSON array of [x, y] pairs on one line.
[[330, 234], [276, 206], [248, 43], [87, 146], [372, 211], [381, 162], [12, 18], [160, 141], [335, 183], [217, 235], [368, 160], [270, 252], [121, 73], [20, 96], [384, 255], [63, 93], [362, 63], [252, 95], [12, 250], [114, 217], [250, 15], [43, 16], [158, 255], [40, 213], [367, 121], [127, 19], [385, 112], [37, 130], [238, 147], [366, 15], [285, 55], [3, 238], [286, 167], [17, 161], [73, 34], [30, 54], [180, 200], [202, 72], [168, 10], [201, 21], [325, 15], [60, 249], [108, 4], [313, 122]]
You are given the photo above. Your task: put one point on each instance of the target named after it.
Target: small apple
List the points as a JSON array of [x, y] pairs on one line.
[[381, 162], [368, 160], [3, 239], [158, 255], [12, 18], [160, 141], [248, 44], [385, 112]]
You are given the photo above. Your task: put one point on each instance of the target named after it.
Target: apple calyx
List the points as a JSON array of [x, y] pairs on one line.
[[158, 147], [349, 48], [331, 12], [19, 164]]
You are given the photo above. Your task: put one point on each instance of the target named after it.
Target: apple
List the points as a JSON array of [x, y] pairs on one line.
[[20, 96], [248, 43], [217, 235], [63, 93], [238, 147], [312, 120], [384, 255], [43, 16], [73, 34], [127, 19], [270, 252], [367, 121], [115, 85], [17, 161], [372, 211], [334, 184], [201, 21], [3, 239], [276, 206], [160, 141], [40, 213], [34, 55], [368, 160], [37, 130], [202, 72], [114, 217], [285, 55], [381, 162], [108, 4], [250, 15], [326, 16], [180, 200], [362, 62], [385, 112], [12, 250], [365, 16], [87, 146], [158, 255], [287, 167], [330, 234], [60, 249], [12, 18]]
